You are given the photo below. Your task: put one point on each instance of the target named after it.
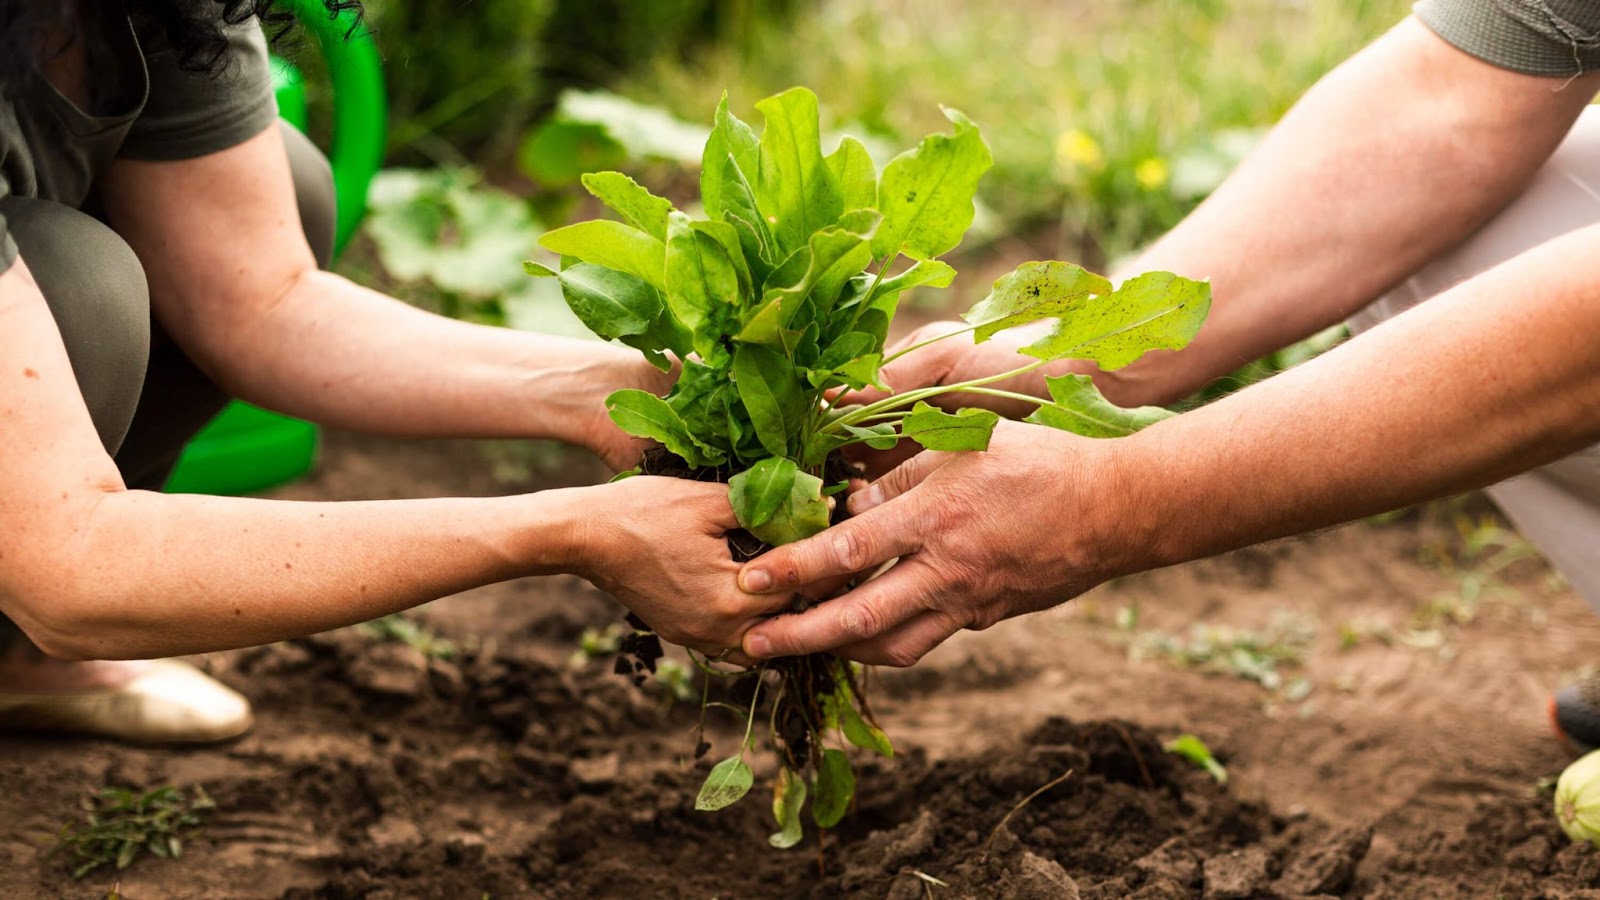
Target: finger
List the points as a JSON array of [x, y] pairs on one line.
[[853, 546], [905, 644], [874, 608], [900, 479]]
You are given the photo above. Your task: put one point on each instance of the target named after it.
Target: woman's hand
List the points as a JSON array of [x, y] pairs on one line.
[[620, 450], [660, 546]]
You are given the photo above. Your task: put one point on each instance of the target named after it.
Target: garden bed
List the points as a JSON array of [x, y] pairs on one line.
[[505, 771]]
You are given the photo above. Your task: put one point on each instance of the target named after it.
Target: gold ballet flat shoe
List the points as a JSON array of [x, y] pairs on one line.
[[168, 703]]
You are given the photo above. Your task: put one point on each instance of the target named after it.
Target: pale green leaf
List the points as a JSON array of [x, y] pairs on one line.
[[796, 191], [730, 139], [834, 788], [757, 492], [1080, 409], [640, 208], [729, 780], [878, 436], [926, 194], [1033, 291], [788, 796], [772, 396], [702, 285], [643, 414], [802, 514], [934, 429], [925, 273], [862, 733], [1156, 310], [613, 245], [1195, 750], [857, 176]]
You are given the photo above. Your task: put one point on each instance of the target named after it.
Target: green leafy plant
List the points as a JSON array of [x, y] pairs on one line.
[[777, 304], [119, 824]]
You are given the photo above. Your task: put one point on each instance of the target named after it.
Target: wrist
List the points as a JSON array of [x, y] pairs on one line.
[[1130, 524], [556, 537]]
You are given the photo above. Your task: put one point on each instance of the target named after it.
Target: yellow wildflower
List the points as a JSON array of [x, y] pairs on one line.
[[1151, 173], [1076, 149]]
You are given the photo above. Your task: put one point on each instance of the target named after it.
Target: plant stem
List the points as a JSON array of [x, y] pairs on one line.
[[750, 721], [932, 340], [896, 401]]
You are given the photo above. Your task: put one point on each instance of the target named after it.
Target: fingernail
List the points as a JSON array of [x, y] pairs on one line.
[[757, 646], [866, 499], [754, 581]]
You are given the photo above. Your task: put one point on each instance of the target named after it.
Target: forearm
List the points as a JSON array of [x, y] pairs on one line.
[[340, 354], [149, 575], [1497, 376], [1395, 156]]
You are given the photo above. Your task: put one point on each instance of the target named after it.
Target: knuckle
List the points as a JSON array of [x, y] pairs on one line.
[[852, 549], [860, 621], [901, 657]]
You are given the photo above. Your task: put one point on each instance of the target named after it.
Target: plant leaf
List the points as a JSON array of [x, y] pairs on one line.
[[1080, 408], [926, 194], [802, 514], [1030, 292], [834, 788], [729, 138], [619, 306], [643, 414], [613, 245], [934, 429], [879, 436], [740, 211], [773, 397], [728, 236], [856, 174], [924, 273], [757, 492], [701, 284], [862, 733], [788, 796], [729, 780], [1195, 750], [1156, 310], [640, 208], [796, 191]]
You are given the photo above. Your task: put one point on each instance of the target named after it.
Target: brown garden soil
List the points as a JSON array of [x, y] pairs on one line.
[[1409, 770]]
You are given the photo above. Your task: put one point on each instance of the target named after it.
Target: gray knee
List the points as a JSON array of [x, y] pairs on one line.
[[96, 290], [313, 192]]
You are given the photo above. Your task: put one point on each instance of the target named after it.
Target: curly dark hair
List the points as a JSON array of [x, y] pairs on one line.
[[192, 28]]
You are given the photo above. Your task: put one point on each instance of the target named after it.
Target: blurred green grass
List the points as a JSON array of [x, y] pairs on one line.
[[1092, 108]]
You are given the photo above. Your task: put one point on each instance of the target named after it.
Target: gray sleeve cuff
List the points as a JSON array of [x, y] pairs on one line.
[[1554, 38], [8, 248]]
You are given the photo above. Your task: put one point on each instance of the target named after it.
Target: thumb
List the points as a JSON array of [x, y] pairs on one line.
[[898, 480]]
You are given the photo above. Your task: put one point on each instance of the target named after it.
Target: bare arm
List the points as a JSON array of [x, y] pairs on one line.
[[1396, 155], [90, 569], [1496, 376], [234, 282]]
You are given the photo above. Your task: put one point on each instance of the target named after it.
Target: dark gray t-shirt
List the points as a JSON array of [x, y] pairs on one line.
[[1557, 38], [53, 150]]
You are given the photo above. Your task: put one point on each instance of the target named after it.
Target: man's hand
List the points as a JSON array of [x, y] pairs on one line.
[[951, 361], [660, 546], [980, 537]]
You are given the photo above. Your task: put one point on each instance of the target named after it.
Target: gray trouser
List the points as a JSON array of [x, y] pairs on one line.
[[1556, 506], [147, 399]]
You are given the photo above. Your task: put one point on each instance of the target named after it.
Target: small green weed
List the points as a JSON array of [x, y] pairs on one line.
[[401, 630], [1258, 656], [119, 824], [1195, 750]]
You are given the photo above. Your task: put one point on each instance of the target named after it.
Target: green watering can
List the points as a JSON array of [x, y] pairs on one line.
[[247, 449]]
